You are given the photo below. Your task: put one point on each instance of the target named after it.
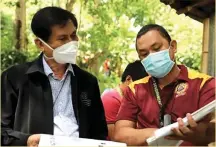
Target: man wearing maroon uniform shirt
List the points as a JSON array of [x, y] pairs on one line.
[[171, 92]]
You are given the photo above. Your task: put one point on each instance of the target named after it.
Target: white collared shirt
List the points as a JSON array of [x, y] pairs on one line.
[[65, 122]]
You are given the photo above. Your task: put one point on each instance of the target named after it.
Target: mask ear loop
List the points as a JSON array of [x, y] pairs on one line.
[[49, 58], [170, 44], [48, 47], [174, 60]]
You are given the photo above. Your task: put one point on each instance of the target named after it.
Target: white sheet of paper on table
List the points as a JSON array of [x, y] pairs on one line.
[[158, 138], [51, 140]]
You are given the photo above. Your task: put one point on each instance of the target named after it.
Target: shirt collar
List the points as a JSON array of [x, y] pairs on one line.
[[183, 75], [49, 71], [70, 68]]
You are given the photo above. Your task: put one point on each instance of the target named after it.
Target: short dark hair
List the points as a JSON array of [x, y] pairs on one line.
[[135, 70], [47, 17], [150, 27]]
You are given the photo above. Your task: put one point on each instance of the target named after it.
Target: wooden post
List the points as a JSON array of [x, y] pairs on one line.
[[20, 25], [208, 50], [205, 46], [211, 56]]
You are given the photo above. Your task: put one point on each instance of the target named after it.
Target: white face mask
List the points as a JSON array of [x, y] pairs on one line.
[[64, 54]]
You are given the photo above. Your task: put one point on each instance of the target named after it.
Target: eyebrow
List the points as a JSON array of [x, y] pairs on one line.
[[65, 35], [154, 44]]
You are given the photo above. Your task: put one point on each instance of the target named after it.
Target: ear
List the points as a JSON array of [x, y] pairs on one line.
[[39, 44], [174, 46], [128, 79]]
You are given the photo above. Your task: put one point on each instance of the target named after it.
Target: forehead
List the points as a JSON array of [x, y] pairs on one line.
[[149, 38], [68, 28]]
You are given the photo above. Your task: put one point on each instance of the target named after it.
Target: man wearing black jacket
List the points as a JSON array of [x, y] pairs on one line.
[[51, 95]]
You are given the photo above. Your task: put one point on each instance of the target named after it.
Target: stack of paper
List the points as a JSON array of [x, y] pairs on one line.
[[50, 140], [158, 138]]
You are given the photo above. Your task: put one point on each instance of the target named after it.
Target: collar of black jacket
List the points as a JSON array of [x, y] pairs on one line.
[[36, 66]]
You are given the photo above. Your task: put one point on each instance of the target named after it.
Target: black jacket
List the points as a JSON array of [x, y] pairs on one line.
[[27, 105]]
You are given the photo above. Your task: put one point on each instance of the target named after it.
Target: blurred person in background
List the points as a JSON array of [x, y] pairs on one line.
[[112, 99]]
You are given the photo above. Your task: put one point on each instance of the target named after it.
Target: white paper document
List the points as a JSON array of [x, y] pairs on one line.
[[158, 138], [165, 142], [51, 140]]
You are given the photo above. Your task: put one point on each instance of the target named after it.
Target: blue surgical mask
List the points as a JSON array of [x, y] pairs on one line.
[[158, 64]]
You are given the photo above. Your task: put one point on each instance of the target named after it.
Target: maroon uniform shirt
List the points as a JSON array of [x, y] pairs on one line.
[[192, 90]]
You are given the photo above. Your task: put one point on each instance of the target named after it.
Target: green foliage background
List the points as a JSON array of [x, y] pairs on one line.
[[107, 30]]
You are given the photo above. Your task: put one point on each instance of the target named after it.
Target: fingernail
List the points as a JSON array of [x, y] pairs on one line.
[[178, 119], [188, 114]]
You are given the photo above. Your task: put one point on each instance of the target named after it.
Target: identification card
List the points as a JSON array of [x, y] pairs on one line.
[[167, 119]]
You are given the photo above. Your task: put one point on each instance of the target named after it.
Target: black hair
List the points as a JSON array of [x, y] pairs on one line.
[[47, 17], [136, 70], [163, 32]]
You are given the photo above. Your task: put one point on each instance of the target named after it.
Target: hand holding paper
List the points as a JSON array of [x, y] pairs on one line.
[[194, 132], [197, 116]]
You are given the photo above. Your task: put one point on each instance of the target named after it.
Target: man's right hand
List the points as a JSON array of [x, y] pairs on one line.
[[33, 140], [196, 133]]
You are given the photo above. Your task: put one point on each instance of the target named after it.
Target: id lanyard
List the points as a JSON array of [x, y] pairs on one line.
[[162, 107], [60, 90]]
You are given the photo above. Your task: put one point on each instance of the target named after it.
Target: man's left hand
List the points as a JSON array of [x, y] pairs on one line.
[[194, 132]]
